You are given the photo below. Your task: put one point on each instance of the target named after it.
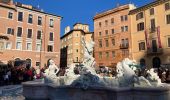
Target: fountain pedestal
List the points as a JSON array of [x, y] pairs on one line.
[[39, 91]]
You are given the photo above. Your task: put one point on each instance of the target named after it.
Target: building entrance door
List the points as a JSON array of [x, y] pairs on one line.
[[156, 62], [154, 46]]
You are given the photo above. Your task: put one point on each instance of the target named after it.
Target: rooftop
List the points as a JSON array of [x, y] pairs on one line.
[[120, 8], [30, 7], [147, 6]]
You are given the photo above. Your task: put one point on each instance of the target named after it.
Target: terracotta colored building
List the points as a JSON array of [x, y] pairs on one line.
[[34, 35], [150, 28], [112, 35], [72, 49]]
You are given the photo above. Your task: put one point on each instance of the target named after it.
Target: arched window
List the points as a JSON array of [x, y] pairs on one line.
[[28, 62], [142, 63], [17, 59], [156, 62], [18, 62]]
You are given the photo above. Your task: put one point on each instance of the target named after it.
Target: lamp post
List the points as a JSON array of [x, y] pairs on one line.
[[40, 51]]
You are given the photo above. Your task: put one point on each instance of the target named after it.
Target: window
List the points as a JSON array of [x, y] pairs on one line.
[[106, 32], [50, 48], [121, 17], [107, 55], [169, 42], [77, 50], [29, 34], [100, 33], [100, 55], [51, 23], [167, 6], [19, 32], [8, 45], [122, 28], [152, 11], [126, 28], [113, 54], [125, 53], [139, 16], [107, 43], [10, 31], [20, 16], [1, 45], [141, 46], [39, 20], [168, 19], [38, 47], [106, 22], [152, 21], [113, 42], [100, 43], [112, 21], [10, 15], [113, 31], [29, 46], [100, 24], [77, 59], [18, 45], [30, 17], [140, 26], [123, 41], [51, 38], [127, 42], [37, 64], [39, 35], [126, 17]]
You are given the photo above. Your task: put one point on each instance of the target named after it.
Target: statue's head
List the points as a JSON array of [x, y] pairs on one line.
[[51, 62]]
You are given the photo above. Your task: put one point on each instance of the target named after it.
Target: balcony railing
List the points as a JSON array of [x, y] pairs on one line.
[[124, 46], [152, 30], [152, 51]]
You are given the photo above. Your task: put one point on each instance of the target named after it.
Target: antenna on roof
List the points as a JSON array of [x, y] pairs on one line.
[[117, 4], [38, 6]]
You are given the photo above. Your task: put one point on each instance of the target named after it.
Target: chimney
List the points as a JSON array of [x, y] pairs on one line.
[[67, 29], [9, 2]]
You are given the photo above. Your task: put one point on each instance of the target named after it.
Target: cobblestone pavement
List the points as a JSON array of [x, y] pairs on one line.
[[11, 92]]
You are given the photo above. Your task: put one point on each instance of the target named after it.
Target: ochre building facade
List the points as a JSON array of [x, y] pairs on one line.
[[150, 32], [33, 34], [72, 48], [112, 36]]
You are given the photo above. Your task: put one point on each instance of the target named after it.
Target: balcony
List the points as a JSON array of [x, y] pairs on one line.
[[124, 46], [152, 30], [152, 51]]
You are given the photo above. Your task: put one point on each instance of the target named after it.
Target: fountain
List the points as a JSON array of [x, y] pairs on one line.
[[88, 85]]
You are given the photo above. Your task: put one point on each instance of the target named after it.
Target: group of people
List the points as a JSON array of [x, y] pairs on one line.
[[16, 75], [163, 73], [105, 71]]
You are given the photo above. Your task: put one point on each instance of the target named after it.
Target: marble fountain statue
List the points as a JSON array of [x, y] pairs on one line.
[[88, 85]]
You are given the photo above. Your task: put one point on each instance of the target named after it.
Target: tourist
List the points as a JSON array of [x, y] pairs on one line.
[[9, 76], [6, 78]]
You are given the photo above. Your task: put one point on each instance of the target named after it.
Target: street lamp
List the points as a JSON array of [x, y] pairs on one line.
[[40, 51]]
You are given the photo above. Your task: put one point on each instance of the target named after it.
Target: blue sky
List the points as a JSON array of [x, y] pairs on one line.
[[82, 11]]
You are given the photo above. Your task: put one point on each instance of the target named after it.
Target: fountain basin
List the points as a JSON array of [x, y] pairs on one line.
[[40, 91]]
